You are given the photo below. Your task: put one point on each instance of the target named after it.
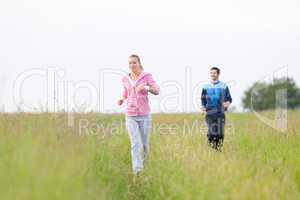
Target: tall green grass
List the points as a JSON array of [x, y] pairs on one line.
[[42, 158]]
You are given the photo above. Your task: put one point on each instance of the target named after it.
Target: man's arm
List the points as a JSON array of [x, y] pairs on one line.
[[227, 98], [203, 99]]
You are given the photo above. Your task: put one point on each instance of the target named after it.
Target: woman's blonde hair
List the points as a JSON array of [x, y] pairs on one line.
[[138, 59]]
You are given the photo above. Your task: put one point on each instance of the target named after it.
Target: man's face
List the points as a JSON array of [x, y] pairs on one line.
[[214, 75]]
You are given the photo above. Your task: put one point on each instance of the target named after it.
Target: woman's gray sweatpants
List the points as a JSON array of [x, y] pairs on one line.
[[139, 128]]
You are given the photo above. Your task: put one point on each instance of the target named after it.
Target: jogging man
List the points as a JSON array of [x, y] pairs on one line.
[[215, 100]]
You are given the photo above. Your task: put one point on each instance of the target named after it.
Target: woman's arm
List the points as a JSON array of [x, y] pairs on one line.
[[125, 93], [153, 87], [124, 96]]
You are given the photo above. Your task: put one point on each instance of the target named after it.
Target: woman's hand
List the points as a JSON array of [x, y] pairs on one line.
[[120, 102], [141, 88], [146, 88]]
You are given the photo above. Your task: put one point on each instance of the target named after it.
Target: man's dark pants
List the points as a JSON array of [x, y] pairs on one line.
[[215, 124]]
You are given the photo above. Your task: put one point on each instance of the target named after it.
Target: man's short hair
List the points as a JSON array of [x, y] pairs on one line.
[[215, 68]]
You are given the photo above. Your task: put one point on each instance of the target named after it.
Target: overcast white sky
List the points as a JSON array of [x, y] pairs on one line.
[[248, 40]]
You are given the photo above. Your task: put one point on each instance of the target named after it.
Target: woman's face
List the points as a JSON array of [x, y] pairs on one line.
[[134, 64]]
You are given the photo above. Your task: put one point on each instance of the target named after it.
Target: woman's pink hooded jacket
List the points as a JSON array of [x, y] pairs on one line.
[[138, 102]]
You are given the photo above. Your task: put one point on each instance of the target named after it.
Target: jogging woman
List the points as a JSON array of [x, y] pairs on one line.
[[137, 84]]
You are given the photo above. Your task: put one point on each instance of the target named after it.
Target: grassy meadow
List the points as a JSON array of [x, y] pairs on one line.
[[42, 158]]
